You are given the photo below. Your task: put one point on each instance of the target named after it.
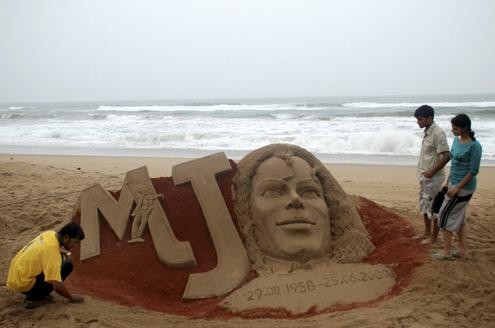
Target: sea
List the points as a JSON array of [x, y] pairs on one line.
[[356, 130]]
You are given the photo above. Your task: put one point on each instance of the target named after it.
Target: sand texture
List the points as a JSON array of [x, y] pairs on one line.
[[37, 193]]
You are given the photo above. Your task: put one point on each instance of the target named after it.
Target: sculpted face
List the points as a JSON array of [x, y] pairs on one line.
[[289, 210]]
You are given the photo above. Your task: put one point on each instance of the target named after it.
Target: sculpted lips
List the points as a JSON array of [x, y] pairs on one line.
[[295, 221]]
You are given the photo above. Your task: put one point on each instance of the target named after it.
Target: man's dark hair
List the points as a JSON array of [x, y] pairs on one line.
[[424, 111], [73, 230]]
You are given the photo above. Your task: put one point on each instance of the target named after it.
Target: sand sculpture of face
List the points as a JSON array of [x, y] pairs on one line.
[[291, 209]]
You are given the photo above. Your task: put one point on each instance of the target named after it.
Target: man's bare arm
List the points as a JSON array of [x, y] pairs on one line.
[[63, 291], [444, 159]]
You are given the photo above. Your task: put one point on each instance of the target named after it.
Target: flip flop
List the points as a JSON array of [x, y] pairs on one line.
[[441, 257], [418, 237], [426, 241], [28, 305]]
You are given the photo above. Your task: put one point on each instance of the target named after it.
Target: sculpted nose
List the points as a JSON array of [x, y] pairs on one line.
[[294, 201]]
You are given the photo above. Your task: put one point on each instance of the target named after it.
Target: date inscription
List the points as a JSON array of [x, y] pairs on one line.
[[317, 289], [309, 285]]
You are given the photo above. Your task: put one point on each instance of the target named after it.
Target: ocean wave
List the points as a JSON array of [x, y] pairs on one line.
[[485, 113], [97, 116], [321, 127], [373, 137], [198, 108], [478, 104], [12, 116], [288, 116], [315, 105], [206, 104], [17, 108]]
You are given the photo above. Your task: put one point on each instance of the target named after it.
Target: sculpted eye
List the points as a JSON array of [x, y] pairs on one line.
[[271, 189], [311, 193], [272, 192]]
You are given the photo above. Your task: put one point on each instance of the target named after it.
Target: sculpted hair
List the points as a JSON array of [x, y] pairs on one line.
[[464, 122], [350, 240], [424, 111], [73, 230]]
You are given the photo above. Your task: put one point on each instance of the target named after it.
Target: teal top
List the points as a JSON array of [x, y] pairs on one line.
[[465, 158]]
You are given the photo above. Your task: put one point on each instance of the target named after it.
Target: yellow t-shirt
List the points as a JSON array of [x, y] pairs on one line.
[[42, 254]]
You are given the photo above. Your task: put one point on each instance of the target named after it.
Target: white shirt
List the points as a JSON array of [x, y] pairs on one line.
[[434, 143]]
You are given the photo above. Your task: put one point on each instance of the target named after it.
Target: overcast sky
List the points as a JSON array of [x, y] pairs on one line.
[[129, 50]]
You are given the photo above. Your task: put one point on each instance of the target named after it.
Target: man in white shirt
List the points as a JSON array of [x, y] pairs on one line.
[[433, 157]]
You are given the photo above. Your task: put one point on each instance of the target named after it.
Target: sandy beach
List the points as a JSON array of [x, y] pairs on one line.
[[37, 193]]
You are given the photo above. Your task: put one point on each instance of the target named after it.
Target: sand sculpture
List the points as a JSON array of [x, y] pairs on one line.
[[232, 265], [144, 197], [293, 212], [293, 225], [298, 224], [95, 200]]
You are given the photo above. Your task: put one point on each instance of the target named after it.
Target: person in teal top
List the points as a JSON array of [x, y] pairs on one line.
[[465, 156]]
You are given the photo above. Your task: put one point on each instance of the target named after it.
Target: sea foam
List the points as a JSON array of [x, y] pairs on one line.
[[327, 128]]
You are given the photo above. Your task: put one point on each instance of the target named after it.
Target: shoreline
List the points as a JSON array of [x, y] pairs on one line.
[[189, 154]]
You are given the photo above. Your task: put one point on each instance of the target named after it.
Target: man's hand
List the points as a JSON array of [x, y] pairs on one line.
[[428, 174], [62, 291], [452, 192]]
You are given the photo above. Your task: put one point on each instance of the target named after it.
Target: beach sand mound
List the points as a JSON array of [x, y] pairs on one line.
[[461, 293]]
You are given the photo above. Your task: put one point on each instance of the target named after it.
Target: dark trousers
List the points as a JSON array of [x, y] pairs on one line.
[[42, 289]]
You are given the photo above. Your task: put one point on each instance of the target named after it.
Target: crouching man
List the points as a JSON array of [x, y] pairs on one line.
[[43, 264]]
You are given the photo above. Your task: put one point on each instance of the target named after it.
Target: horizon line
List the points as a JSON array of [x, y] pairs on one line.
[[244, 98]]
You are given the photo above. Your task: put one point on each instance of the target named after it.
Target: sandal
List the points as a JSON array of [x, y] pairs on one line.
[[420, 237], [458, 254], [32, 304], [438, 256]]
